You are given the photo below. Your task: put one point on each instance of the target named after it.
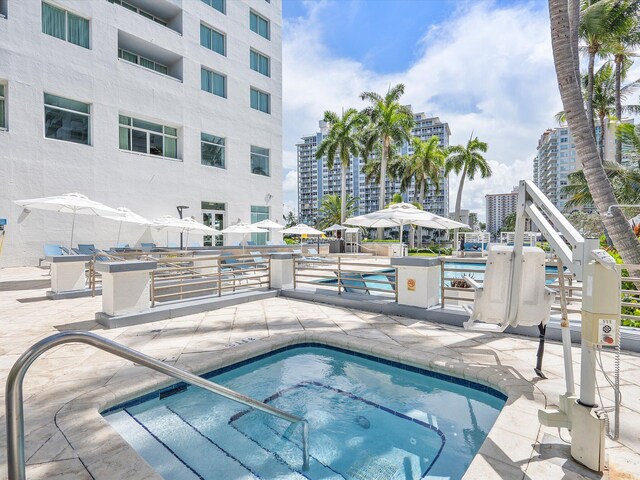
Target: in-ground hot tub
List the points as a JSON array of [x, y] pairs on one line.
[[369, 418]]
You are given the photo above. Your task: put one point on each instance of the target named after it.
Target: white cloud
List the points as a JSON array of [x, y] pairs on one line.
[[487, 70], [290, 183]]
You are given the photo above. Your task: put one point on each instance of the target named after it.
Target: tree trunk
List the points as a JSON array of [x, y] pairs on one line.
[[574, 33], [383, 178], [601, 139], [618, 59], [590, 84], [459, 196], [620, 231], [422, 188], [343, 193]]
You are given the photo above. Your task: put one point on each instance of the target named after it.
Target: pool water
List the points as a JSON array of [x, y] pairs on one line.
[[368, 419]]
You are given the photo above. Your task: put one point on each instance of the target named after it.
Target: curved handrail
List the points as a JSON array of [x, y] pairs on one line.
[[15, 407]]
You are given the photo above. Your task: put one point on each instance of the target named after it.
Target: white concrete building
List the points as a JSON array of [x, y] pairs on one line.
[[147, 104]]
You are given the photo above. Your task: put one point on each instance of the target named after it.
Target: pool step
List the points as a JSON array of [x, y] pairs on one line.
[[203, 456], [149, 448], [267, 462]]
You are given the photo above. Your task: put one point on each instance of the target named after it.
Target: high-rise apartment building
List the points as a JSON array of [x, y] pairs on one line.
[[556, 159], [138, 103], [316, 180], [498, 206]]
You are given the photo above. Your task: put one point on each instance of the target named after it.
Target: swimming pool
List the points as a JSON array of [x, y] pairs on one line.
[[368, 419]]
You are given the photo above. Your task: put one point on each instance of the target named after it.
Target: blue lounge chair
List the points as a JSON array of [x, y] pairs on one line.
[[51, 250], [250, 243], [353, 280], [146, 247], [85, 249]]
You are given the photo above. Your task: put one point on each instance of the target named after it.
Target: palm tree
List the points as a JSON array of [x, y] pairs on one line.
[[621, 46], [342, 142], [332, 209], [290, 219], [468, 160], [581, 130], [424, 165], [390, 123], [625, 182], [629, 135]]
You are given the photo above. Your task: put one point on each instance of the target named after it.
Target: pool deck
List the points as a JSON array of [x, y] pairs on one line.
[[66, 438]]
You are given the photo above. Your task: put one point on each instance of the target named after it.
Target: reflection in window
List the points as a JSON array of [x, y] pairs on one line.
[[212, 150], [260, 161], [66, 119], [148, 137]]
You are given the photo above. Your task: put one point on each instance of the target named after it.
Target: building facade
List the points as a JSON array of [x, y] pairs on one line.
[[315, 180], [556, 158], [498, 206], [143, 104]]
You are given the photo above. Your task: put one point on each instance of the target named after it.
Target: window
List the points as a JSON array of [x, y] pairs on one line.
[[260, 161], [212, 150], [259, 63], [212, 39], [213, 82], [143, 62], [217, 4], [259, 24], [3, 119], [260, 101], [147, 137], [66, 119], [259, 213], [65, 25]]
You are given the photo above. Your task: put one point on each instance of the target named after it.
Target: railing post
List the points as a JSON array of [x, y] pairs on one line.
[[396, 284], [442, 283], [219, 277], [152, 291], [339, 278]]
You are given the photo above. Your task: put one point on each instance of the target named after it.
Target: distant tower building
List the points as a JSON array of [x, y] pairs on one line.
[[499, 205], [315, 180], [556, 159]]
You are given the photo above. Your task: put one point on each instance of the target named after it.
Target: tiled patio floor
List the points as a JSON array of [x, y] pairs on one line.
[[68, 372]]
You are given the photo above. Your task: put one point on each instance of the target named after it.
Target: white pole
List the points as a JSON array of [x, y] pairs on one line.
[[119, 229], [588, 375], [401, 228], [73, 226]]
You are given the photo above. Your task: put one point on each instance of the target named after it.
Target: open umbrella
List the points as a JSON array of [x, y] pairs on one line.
[[183, 225], [401, 214], [244, 229], [74, 203], [334, 228], [129, 217], [268, 224], [302, 229]]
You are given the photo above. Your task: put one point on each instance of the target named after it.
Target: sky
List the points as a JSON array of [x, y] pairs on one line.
[[485, 67]]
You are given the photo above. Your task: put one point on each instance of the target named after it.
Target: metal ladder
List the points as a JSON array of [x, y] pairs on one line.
[[15, 407]]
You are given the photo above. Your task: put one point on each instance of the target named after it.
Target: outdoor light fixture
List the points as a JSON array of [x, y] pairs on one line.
[[180, 208], [610, 214]]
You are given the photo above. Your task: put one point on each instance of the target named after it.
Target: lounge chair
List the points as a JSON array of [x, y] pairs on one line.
[[269, 243], [85, 249], [257, 258], [146, 247], [51, 250], [250, 243], [355, 281]]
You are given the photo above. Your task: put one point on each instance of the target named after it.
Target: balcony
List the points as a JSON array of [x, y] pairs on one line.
[[148, 56], [161, 12]]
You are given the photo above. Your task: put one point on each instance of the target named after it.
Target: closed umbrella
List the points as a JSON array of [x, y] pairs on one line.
[[244, 229], [127, 216], [74, 203], [401, 214]]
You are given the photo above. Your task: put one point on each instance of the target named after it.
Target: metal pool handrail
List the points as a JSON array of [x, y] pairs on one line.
[[15, 407]]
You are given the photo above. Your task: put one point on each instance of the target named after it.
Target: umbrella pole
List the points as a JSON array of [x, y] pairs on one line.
[[118, 239], [401, 232], [186, 247], [73, 226]]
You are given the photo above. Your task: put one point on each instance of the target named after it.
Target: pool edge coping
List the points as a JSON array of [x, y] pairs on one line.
[[106, 454]]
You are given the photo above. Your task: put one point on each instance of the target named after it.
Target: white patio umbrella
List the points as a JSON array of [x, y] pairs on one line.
[[334, 228], [401, 214], [74, 203], [244, 229], [268, 224], [302, 229], [127, 217], [184, 225]]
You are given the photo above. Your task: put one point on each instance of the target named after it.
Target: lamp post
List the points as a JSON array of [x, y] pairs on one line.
[[180, 208]]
